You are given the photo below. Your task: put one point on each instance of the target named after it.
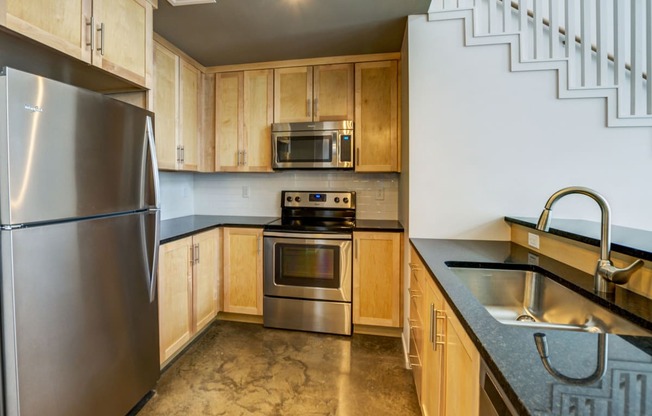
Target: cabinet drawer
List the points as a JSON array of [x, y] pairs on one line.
[[415, 363], [416, 295]]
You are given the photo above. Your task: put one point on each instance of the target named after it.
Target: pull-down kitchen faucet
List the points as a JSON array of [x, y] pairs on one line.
[[606, 274]]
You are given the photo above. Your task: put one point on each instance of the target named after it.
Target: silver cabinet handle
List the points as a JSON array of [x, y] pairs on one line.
[[316, 106], [101, 30], [244, 157], [183, 154], [198, 253], [91, 25]]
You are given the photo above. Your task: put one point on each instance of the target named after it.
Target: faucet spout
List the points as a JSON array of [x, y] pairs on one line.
[[606, 274]]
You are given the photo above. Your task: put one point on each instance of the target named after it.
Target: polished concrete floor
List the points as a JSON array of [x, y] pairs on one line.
[[245, 369]]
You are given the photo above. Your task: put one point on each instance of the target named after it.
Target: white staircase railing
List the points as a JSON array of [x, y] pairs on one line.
[[601, 48]]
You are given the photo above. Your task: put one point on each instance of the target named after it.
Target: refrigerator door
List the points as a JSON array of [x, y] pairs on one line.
[[66, 152], [79, 316]]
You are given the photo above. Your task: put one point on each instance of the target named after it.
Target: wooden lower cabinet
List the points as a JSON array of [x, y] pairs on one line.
[[243, 270], [187, 289], [449, 376], [377, 278]]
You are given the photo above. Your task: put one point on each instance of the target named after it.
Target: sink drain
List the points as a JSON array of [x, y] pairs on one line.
[[525, 318]]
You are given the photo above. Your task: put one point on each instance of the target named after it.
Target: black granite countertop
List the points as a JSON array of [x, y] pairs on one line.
[[510, 351], [176, 228], [630, 241]]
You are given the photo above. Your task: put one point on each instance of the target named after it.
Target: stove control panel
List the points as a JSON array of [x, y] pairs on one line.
[[328, 199]]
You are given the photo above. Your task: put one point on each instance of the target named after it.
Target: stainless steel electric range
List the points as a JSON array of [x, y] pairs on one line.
[[308, 263]]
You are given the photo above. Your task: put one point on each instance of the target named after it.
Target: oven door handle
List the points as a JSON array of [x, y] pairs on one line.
[[307, 236]]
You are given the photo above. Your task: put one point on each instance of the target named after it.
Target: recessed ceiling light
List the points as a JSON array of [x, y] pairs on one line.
[[189, 2]]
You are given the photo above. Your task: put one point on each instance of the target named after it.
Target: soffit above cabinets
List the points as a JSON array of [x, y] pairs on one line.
[[244, 31]]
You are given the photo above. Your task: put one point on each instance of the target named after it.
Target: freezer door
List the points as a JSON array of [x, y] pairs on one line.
[[80, 327], [66, 152]]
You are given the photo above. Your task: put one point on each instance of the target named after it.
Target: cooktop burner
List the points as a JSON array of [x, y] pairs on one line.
[[304, 211]]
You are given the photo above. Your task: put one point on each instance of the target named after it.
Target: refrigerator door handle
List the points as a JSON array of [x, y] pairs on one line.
[[153, 163], [153, 271]]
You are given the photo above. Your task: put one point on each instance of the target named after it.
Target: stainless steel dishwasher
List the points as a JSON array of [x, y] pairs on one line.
[[493, 400]]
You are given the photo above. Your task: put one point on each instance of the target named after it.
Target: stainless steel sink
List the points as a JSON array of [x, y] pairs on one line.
[[526, 298]]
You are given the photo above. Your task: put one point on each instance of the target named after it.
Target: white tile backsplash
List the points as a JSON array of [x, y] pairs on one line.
[[222, 194], [177, 194]]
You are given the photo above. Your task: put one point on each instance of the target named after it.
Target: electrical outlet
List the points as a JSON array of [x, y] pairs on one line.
[[380, 194], [245, 192], [533, 240]]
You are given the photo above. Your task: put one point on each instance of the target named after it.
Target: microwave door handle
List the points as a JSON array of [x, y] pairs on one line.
[[337, 144]]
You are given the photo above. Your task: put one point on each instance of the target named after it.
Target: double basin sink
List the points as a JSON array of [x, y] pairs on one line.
[[528, 298]]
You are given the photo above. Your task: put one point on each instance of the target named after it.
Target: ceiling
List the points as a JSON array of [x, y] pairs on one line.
[[245, 31]]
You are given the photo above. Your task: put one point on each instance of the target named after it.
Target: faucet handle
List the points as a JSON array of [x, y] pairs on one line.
[[616, 275]]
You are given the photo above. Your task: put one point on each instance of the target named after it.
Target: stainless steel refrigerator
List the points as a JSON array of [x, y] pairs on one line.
[[79, 214]]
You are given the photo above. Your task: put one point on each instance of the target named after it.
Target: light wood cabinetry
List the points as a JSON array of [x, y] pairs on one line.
[[319, 93], [376, 117], [187, 289], [243, 117], [115, 35], [448, 375], [243, 270], [177, 92], [377, 278]]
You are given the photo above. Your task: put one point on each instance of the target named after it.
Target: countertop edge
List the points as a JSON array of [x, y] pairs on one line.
[[616, 246]]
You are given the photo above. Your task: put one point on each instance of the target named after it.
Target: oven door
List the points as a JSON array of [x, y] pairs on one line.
[[308, 266]]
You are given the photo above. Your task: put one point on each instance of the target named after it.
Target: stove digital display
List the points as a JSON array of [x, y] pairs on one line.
[[317, 197]]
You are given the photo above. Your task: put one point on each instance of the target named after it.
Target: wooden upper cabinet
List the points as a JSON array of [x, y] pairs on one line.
[[376, 117], [189, 84], [333, 92], [377, 278], [166, 104], [115, 35], [293, 94], [177, 105], [243, 118], [59, 24], [123, 37], [319, 93]]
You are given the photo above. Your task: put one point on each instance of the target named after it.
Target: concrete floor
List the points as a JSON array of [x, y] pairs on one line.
[[245, 369]]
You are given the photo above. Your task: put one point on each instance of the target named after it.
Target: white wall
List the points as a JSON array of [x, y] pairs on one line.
[[222, 193], [486, 142], [177, 195]]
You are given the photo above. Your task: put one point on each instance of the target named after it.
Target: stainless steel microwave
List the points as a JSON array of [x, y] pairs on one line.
[[318, 145]]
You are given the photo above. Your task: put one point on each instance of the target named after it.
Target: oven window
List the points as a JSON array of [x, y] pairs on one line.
[[307, 265], [305, 148]]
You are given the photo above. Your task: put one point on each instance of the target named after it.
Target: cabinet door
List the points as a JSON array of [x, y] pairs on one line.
[[206, 277], [175, 296], [59, 24], [243, 271], [377, 279], [461, 385], [228, 120], [166, 101], [189, 82], [293, 94], [333, 90], [376, 116], [258, 113], [433, 352], [123, 37]]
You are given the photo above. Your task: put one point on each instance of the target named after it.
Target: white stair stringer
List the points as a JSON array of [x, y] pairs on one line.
[[561, 65]]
